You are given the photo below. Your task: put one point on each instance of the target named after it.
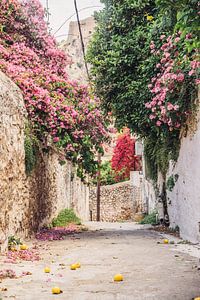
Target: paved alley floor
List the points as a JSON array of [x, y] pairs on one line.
[[151, 270]]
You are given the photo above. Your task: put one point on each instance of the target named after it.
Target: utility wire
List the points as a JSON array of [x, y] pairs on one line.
[[81, 37], [74, 15], [47, 10], [58, 36]]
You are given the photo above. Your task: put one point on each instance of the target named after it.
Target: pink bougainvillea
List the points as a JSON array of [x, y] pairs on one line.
[[26, 255], [56, 233], [58, 108], [172, 73], [7, 273]]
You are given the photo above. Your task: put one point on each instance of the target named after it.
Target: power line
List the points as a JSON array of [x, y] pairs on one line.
[[88, 7], [81, 37], [47, 10], [58, 36]]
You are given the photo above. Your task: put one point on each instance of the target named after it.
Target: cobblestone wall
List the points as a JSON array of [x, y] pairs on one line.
[[27, 202], [119, 202]]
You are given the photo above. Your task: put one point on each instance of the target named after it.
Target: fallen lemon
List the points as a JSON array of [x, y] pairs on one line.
[[166, 241], [78, 265], [56, 290], [23, 247], [73, 267], [118, 277], [197, 298], [47, 270], [13, 249]]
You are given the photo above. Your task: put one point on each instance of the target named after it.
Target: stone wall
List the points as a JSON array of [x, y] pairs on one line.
[[55, 187], [119, 202], [27, 202]]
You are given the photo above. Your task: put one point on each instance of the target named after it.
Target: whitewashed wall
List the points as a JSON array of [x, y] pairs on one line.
[[184, 199]]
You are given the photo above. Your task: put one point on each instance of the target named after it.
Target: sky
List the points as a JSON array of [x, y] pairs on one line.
[[61, 10]]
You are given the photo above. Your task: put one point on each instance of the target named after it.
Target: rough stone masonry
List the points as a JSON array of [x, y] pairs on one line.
[[28, 202], [119, 202]]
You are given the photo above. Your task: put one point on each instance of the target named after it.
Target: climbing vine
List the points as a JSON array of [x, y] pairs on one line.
[[145, 67], [61, 111], [30, 154], [124, 159]]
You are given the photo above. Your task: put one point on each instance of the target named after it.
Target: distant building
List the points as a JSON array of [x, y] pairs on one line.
[[72, 46]]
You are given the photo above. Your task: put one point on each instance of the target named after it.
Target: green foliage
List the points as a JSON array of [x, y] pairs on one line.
[[108, 175], [65, 217], [123, 66], [13, 241], [117, 52], [171, 181], [150, 219], [31, 151], [186, 19], [158, 151]]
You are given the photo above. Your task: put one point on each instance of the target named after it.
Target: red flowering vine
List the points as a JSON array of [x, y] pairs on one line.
[[124, 159]]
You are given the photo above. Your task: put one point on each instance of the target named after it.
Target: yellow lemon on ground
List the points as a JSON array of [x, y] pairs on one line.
[[47, 270], [73, 267], [197, 298], [118, 277], [56, 290], [23, 247], [78, 265], [13, 249], [166, 241]]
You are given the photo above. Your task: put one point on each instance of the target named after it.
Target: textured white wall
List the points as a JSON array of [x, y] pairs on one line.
[[184, 200], [149, 196]]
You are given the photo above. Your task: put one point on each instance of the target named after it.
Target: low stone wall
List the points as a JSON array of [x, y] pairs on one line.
[[119, 202], [28, 202]]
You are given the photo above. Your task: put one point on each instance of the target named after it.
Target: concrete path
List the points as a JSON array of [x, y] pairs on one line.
[[151, 270]]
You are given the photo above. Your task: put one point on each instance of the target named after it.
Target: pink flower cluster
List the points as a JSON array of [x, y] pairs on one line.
[[26, 255], [8, 273], [56, 233], [166, 85], [58, 108]]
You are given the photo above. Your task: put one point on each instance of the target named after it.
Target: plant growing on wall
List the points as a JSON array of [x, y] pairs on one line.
[[145, 69], [61, 112], [171, 181], [124, 159]]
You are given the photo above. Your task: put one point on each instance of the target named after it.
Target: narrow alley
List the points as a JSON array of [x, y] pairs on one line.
[[151, 269]]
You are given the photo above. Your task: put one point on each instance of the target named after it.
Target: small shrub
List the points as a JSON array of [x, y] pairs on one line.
[[150, 219], [65, 217], [13, 241], [171, 181]]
